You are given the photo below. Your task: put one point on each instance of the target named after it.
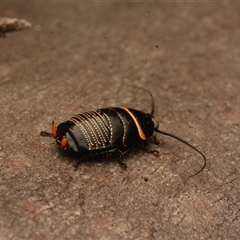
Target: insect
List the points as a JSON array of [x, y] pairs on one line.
[[108, 130]]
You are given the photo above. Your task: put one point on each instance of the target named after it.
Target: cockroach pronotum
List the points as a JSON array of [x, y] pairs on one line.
[[108, 130]]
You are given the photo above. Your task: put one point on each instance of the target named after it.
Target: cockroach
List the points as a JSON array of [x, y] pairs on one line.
[[109, 130]]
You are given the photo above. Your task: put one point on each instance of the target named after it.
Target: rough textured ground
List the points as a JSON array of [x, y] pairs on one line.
[[81, 56]]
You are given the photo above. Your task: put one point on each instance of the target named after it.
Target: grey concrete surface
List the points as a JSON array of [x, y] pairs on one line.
[[81, 56]]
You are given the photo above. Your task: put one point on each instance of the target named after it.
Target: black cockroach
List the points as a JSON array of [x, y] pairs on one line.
[[108, 130]]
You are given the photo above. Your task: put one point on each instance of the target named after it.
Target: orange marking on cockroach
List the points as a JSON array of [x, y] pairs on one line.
[[64, 143], [54, 129], [139, 128]]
